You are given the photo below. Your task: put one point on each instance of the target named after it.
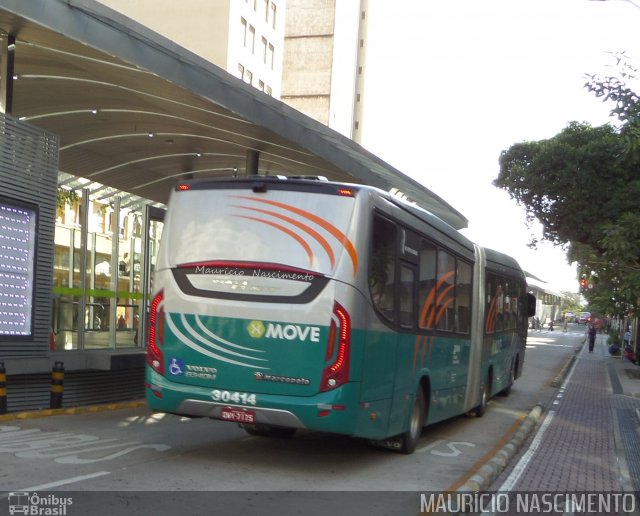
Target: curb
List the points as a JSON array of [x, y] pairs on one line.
[[72, 410], [488, 473]]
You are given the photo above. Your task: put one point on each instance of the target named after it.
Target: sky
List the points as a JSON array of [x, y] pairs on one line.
[[450, 84]]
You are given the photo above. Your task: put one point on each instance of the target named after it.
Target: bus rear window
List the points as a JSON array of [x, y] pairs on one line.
[[249, 281]]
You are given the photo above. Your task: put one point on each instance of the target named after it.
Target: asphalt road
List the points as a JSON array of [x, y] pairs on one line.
[[130, 461]]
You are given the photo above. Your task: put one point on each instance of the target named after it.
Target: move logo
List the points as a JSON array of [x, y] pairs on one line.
[[257, 330]]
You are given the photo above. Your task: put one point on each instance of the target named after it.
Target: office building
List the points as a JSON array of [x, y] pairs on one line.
[[324, 54], [244, 37]]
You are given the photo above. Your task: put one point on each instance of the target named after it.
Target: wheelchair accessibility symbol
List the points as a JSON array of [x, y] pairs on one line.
[[176, 367]]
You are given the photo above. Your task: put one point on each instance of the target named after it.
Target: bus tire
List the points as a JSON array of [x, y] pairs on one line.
[[512, 376], [409, 440], [484, 398]]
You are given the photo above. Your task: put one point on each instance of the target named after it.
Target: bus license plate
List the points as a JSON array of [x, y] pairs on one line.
[[238, 415]]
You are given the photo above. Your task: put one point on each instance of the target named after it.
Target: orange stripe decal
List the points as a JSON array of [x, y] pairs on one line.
[[321, 240], [335, 232], [293, 235]]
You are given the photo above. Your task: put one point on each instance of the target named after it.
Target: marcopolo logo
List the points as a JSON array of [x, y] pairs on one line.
[[37, 504], [258, 329]]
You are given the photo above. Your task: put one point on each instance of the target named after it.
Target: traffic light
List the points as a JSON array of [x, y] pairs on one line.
[[583, 284]]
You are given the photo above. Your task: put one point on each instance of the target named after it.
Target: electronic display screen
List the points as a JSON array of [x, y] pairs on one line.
[[17, 268]]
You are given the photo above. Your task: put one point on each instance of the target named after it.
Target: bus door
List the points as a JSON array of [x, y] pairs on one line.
[[406, 301]]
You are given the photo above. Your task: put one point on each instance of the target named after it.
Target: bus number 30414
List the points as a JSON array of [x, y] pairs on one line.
[[233, 397]]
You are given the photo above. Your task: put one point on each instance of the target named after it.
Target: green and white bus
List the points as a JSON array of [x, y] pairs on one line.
[[285, 304]]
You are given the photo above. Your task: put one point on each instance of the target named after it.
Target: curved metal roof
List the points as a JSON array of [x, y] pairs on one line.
[[136, 112]]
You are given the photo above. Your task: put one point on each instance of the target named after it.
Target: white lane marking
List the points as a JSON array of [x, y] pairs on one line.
[[429, 446], [71, 480], [524, 460], [454, 451]]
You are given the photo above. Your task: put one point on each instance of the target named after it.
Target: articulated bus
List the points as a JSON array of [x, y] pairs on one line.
[[285, 304]]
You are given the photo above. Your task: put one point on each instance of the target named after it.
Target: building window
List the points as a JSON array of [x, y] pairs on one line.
[[266, 11], [271, 55], [252, 38], [268, 90], [240, 71], [243, 22], [261, 85], [273, 15], [264, 50], [248, 77]]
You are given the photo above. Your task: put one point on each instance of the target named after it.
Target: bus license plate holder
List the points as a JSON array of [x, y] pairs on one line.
[[238, 415]]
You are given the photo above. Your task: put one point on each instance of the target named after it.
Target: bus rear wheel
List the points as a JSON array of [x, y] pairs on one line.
[[484, 398], [512, 378], [409, 440]]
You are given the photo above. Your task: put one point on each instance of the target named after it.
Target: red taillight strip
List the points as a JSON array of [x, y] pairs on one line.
[[155, 356], [337, 373], [343, 343]]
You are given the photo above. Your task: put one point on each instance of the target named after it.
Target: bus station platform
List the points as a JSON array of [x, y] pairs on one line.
[[586, 440]]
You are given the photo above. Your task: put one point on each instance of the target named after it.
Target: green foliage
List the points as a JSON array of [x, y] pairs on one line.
[[570, 182], [571, 303], [614, 337], [583, 186], [65, 197]]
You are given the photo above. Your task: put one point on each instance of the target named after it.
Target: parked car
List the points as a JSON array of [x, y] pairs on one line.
[[584, 317]]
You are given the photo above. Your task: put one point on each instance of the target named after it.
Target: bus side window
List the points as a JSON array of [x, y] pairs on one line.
[[463, 297], [383, 266], [427, 285], [445, 291], [406, 303]]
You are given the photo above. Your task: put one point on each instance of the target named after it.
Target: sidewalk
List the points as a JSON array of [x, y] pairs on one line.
[[589, 439]]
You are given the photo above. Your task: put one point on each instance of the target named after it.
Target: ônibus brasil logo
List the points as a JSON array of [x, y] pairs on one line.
[[258, 329], [35, 504]]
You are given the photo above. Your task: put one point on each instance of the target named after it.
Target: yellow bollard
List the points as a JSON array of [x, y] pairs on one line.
[[57, 385], [3, 389]]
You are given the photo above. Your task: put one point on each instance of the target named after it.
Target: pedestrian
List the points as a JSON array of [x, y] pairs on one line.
[[627, 337], [591, 335], [123, 266]]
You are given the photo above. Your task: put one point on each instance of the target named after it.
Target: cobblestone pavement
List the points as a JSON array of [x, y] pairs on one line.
[[588, 442]]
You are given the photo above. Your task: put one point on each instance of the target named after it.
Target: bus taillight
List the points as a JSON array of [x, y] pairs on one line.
[[338, 350], [155, 356]]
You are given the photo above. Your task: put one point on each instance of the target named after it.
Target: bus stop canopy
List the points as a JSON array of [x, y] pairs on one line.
[[136, 113]]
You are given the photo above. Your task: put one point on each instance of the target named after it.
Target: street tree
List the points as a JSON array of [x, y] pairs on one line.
[[583, 186]]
